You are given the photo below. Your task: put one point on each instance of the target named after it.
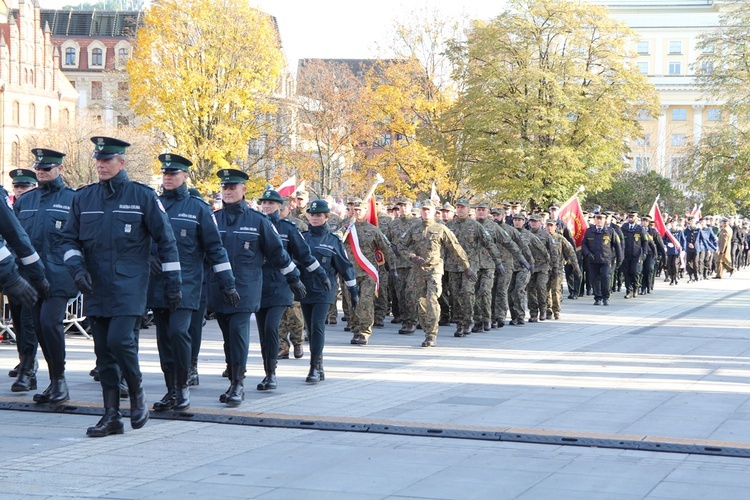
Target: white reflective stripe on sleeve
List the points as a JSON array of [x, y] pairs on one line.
[[30, 259], [288, 269], [312, 267], [350, 283], [226, 266], [72, 253], [4, 252], [170, 266]]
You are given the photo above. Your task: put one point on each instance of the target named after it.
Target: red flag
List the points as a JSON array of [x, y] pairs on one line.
[[372, 213], [655, 214], [288, 187], [572, 215]]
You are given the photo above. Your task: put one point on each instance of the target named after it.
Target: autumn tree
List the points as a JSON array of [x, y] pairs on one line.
[[638, 189], [549, 100], [202, 78], [332, 125], [718, 170]]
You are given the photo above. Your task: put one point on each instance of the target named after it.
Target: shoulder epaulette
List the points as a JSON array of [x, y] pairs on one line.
[[200, 199], [144, 185]]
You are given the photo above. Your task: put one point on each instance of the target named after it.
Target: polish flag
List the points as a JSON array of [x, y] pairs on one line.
[[288, 187], [360, 258], [655, 214]]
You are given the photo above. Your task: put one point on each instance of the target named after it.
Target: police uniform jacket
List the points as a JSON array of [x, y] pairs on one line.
[[250, 240], [276, 291], [109, 232], [600, 246], [328, 250], [634, 241], [657, 241], [709, 240], [198, 237], [18, 243], [43, 213], [670, 247], [694, 237]]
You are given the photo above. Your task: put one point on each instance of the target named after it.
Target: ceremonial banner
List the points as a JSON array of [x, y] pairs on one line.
[[655, 214], [360, 257], [572, 215], [288, 187]]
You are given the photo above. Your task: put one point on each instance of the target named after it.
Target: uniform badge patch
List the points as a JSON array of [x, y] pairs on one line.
[[183, 233], [247, 245], [127, 228], [58, 224]]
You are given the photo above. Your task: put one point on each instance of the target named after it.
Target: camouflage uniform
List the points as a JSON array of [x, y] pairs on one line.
[[361, 319], [566, 254], [522, 277], [407, 306], [503, 282], [509, 252], [428, 239], [382, 301], [472, 237], [545, 265]]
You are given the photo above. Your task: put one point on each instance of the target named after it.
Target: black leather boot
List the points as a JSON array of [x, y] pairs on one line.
[[138, 408], [269, 382], [223, 397], [26, 380], [167, 402], [237, 390], [124, 393], [43, 397], [181, 391], [58, 391], [111, 422], [193, 378], [316, 373]]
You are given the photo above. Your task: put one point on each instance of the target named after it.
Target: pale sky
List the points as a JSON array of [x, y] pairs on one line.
[[346, 29]]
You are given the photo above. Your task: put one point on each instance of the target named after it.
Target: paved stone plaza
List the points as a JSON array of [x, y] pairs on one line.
[[666, 370]]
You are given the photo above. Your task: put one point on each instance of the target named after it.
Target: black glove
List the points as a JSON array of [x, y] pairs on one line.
[[299, 289], [155, 264], [500, 268], [393, 274], [42, 287], [325, 282], [174, 297], [471, 275], [83, 282], [417, 260], [22, 291], [591, 257], [230, 296], [525, 263], [354, 295], [395, 250]]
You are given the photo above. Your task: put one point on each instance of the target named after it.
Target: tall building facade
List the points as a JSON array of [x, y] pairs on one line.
[[34, 94], [667, 50]]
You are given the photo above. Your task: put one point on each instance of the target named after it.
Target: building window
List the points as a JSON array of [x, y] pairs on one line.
[[677, 166], [96, 90], [708, 48], [674, 67], [47, 117], [66, 117], [32, 115], [679, 114], [70, 56], [16, 113], [678, 140], [642, 163], [642, 68], [643, 115], [122, 90], [675, 47], [96, 57], [642, 48], [707, 67], [645, 141], [122, 57], [15, 155], [122, 121], [73, 83], [714, 114]]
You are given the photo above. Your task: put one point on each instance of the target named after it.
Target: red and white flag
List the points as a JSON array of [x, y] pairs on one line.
[[360, 257], [288, 187], [572, 215], [655, 214], [697, 211]]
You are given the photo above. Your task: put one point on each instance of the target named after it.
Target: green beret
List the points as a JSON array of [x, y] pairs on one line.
[[271, 195], [318, 207]]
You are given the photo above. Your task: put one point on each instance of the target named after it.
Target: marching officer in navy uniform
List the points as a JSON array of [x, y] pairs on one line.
[[277, 295], [107, 243], [634, 250], [197, 238], [328, 250], [251, 240], [43, 213], [600, 249], [32, 269]]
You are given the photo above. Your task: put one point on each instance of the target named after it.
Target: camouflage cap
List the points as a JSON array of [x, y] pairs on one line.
[[482, 204], [463, 202], [428, 204], [497, 211], [536, 217], [405, 201], [519, 216], [448, 207]]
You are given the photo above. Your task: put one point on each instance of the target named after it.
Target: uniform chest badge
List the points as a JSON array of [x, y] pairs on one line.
[[247, 245], [58, 224], [637, 237], [128, 228], [606, 240], [183, 233]]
